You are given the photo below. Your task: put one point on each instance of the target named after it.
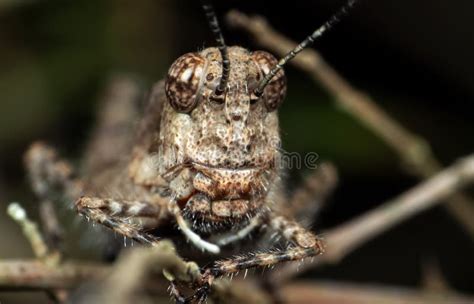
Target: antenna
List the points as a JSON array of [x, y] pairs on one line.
[[216, 30], [336, 18]]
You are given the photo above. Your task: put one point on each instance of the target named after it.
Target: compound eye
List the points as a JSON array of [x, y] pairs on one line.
[[274, 93], [183, 82]]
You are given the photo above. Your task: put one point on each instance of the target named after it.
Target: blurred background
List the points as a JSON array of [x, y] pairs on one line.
[[413, 57]]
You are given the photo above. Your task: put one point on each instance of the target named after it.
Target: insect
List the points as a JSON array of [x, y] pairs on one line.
[[205, 157]]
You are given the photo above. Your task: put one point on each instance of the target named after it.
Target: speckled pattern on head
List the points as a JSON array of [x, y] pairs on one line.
[[228, 144]]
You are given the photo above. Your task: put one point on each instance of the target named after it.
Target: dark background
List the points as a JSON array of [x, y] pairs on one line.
[[413, 57]]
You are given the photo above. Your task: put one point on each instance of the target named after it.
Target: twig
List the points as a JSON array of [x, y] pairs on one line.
[[134, 266], [34, 274], [433, 279], [348, 237], [51, 228], [127, 277], [31, 232], [329, 292], [351, 235], [50, 257], [413, 150], [239, 291], [132, 271]]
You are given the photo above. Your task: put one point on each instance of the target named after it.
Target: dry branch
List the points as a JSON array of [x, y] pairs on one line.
[[33, 274], [33, 235], [432, 278], [413, 150], [329, 292], [135, 266], [124, 282], [51, 228], [344, 239]]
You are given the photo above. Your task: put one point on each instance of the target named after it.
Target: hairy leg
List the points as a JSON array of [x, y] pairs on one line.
[[51, 178], [115, 215], [176, 293], [305, 244]]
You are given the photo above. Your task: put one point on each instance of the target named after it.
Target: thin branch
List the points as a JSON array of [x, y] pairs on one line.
[[162, 259], [330, 292], [34, 274], [50, 256], [37, 276], [134, 267], [50, 223], [413, 150], [432, 277], [129, 275], [33, 235], [351, 235], [238, 291], [346, 238]]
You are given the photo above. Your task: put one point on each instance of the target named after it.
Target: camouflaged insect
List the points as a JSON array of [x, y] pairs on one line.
[[204, 158], [210, 164]]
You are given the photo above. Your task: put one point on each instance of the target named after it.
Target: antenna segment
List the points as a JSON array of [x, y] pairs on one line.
[[216, 30], [336, 18]]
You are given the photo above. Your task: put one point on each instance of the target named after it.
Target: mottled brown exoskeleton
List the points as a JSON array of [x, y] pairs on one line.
[[204, 157]]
